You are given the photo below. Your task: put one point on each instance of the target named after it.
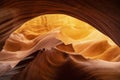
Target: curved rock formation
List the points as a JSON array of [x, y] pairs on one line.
[[102, 14], [54, 64]]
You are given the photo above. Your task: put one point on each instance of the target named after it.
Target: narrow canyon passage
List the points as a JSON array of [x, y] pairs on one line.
[[66, 34], [56, 44]]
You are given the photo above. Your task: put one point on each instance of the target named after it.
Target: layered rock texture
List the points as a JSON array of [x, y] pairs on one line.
[[103, 14], [69, 45]]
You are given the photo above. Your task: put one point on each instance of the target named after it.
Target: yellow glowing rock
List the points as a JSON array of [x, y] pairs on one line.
[[81, 34], [73, 36], [76, 35], [95, 48], [45, 23], [110, 54]]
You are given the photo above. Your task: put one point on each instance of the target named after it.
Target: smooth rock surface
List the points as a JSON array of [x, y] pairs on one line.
[[102, 14]]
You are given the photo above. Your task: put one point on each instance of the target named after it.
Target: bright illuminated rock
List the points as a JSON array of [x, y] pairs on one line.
[[74, 36]]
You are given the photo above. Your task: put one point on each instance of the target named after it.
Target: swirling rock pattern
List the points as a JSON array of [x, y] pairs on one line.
[[54, 64], [102, 14]]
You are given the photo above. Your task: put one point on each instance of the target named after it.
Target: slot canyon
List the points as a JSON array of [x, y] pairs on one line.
[[59, 40]]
